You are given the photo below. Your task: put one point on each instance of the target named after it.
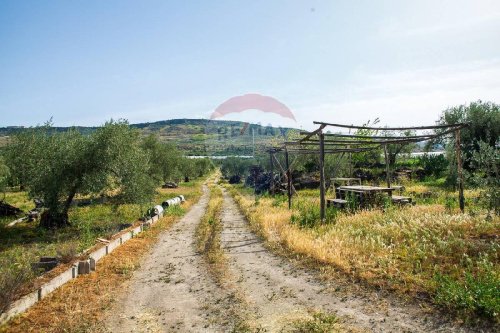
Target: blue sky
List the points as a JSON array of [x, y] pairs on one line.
[[84, 62]]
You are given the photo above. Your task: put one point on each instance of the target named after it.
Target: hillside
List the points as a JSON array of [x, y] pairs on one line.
[[195, 136]]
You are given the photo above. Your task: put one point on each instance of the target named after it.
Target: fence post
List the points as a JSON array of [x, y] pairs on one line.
[[322, 175], [460, 173]]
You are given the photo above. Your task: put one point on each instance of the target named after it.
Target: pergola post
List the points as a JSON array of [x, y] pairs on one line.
[[460, 173], [271, 186], [322, 188], [288, 179], [387, 168]]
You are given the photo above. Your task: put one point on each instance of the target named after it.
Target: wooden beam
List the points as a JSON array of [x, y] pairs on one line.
[[460, 174], [400, 139], [322, 177], [331, 151], [271, 185], [284, 171], [387, 169], [354, 136], [288, 180], [328, 143], [308, 135], [460, 125]]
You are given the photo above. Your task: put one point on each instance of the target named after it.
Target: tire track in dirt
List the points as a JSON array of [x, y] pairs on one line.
[[277, 292], [172, 291]]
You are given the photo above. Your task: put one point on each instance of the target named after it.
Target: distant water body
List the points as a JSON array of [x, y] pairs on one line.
[[217, 157]]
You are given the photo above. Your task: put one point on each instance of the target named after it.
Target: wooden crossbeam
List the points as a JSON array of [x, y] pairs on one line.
[[400, 139], [327, 143], [308, 135], [455, 126]]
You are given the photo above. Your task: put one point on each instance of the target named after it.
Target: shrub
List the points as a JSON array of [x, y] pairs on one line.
[[67, 252], [479, 292], [309, 215], [12, 278]]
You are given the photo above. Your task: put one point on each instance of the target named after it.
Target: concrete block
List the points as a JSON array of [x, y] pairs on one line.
[[19, 306], [84, 267], [113, 245], [154, 218], [56, 282], [98, 254], [44, 266], [93, 264], [125, 237], [137, 230], [74, 270]]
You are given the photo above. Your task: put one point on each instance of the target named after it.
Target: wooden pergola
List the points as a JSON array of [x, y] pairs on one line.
[[320, 143]]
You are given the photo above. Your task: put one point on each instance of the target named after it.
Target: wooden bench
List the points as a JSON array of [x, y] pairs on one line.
[[337, 203], [398, 199]]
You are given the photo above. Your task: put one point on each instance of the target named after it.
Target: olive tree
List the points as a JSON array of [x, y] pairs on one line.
[[166, 159], [483, 119], [60, 165], [4, 176]]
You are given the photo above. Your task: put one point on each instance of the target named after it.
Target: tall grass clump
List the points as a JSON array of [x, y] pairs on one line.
[[13, 276]]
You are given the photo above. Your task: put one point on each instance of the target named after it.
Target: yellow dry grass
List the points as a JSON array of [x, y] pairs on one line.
[[78, 306], [401, 249]]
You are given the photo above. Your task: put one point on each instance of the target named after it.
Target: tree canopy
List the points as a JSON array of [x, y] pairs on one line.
[[56, 166]]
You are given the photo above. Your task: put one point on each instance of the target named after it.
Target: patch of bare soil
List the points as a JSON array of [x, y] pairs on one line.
[[172, 291], [278, 292]]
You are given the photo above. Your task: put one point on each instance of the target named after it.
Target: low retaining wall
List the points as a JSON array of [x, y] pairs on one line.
[[79, 268]]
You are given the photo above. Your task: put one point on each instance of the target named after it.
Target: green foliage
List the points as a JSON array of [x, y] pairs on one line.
[[235, 166], [370, 157], [309, 215], [202, 166], [57, 166], [433, 165], [279, 200], [483, 119], [13, 276], [4, 174], [393, 150], [486, 161], [478, 292]]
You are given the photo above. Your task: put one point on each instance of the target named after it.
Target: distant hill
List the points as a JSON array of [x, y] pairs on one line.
[[196, 136]]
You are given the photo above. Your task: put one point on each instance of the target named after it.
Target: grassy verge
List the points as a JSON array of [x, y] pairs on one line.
[[25, 242], [424, 250], [318, 323], [78, 305], [208, 233]]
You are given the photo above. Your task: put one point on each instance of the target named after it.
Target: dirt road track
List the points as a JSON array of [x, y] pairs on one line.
[[174, 292], [171, 291]]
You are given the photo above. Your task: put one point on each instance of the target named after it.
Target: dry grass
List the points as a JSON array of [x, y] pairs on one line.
[[78, 306], [208, 234], [403, 249]]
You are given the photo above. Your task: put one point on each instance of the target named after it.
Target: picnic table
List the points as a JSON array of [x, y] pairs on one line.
[[364, 193]]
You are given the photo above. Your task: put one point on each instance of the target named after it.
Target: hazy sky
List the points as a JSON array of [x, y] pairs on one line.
[[83, 62]]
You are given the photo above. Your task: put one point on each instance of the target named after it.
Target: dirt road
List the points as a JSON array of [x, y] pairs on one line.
[[171, 291], [174, 292]]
